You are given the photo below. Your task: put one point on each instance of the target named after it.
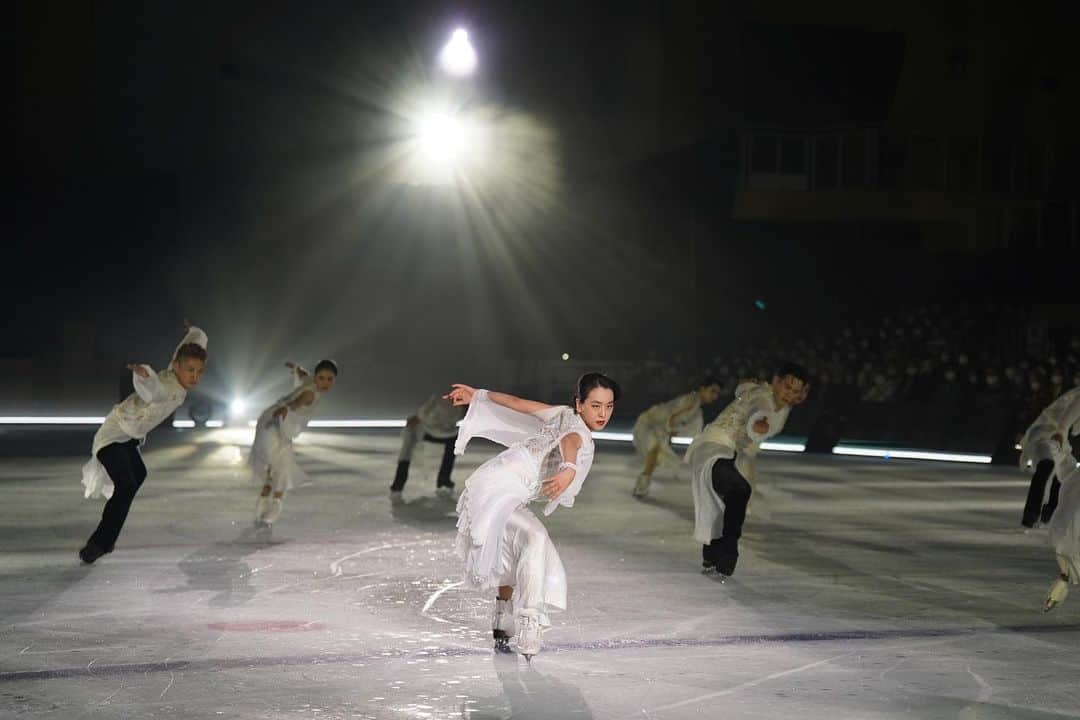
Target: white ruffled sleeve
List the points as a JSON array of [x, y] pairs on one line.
[[497, 423], [149, 388]]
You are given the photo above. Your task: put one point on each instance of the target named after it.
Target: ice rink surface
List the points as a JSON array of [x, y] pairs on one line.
[[866, 589]]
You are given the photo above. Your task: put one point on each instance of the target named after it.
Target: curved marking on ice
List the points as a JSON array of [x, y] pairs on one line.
[[435, 596], [335, 566]]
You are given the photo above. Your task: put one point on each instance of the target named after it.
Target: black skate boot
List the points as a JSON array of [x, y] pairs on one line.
[[90, 553]]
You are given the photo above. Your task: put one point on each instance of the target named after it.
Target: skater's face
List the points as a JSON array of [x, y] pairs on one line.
[[597, 408], [188, 371], [709, 394], [788, 390], [324, 380]]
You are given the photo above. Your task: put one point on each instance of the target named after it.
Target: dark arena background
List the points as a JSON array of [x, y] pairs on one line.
[[509, 195]]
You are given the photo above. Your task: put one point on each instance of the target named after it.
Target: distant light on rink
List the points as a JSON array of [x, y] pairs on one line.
[[215, 423], [911, 454], [356, 423], [458, 56], [183, 423], [52, 420], [783, 447], [618, 437], [772, 446]]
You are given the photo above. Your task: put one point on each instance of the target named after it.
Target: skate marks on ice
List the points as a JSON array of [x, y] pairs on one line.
[[550, 649]]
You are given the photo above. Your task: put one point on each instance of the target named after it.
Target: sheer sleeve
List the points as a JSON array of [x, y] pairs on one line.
[[148, 388], [499, 424]]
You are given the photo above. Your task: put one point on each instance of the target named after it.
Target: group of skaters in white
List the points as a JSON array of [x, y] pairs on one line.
[[549, 450]]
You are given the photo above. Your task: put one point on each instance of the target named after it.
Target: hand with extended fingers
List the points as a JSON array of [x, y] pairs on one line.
[[301, 372], [460, 394], [555, 485]]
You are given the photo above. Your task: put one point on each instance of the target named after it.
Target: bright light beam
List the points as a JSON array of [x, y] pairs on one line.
[[53, 420], [458, 57], [887, 454]]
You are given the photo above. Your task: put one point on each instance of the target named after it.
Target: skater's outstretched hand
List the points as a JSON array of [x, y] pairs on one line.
[[300, 371], [139, 370], [460, 394], [280, 413], [555, 485], [761, 426]]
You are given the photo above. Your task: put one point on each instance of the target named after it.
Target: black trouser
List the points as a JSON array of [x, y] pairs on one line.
[[125, 467], [1043, 472], [445, 467], [735, 491]]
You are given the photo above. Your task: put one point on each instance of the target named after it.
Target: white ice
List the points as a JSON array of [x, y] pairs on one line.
[[866, 589]]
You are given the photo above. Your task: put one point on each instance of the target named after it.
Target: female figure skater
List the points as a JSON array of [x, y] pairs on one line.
[[504, 545], [273, 461], [656, 426]]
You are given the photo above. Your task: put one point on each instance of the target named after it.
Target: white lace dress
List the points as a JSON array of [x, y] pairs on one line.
[[506, 483], [272, 459]]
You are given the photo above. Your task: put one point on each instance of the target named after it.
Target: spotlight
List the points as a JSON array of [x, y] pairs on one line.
[[457, 56], [237, 407], [442, 137], [566, 356]]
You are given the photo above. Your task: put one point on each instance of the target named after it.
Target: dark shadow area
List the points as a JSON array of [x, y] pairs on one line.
[[219, 568]]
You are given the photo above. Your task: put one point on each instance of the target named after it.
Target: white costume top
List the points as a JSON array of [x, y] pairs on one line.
[[156, 397], [271, 451], [1060, 417], [439, 417], [651, 428], [730, 435], [512, 478]]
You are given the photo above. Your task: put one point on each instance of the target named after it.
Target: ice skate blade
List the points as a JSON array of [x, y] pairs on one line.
[[712, 572]]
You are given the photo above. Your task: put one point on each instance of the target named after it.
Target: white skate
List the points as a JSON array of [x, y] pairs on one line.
[[530, 625], [261, 506], [641, 488], [273, 511], [1058, 592], [502, 625]]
